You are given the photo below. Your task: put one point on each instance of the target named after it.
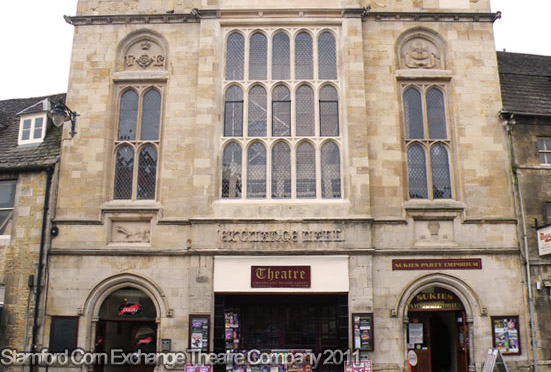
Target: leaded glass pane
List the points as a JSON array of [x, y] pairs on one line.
[[257, 111], [440, 168], [281, 171], [281, 57], [281, 112], [256, 171], [327, 56], [7, 194], [124, 169], [151, 116], [147, 173], [417, 173], [231, 171], [330, 171], [233, 112], [128, 116], [413, 114], [306, 171], [258, 57], [329, 111], [38, 128], [235, 57], [303, 56], [305, 111], [436, 114]]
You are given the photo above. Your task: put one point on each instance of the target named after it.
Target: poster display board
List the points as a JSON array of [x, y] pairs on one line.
[[362, 328], [199, 330], [506, 334]]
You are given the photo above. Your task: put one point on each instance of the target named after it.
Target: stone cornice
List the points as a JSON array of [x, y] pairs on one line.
[[196, 15]]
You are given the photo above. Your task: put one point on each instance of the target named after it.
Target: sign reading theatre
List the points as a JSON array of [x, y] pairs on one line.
[[280, 277]]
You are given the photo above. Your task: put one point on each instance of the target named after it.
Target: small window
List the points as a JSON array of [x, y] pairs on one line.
[[547, 213], [7, 201], [32, 129], [544, 150], [63, 334]]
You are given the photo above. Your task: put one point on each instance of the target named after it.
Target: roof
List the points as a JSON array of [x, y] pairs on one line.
[[525, 82], [14, 157]]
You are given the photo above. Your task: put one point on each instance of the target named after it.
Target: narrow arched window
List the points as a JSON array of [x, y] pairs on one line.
[[417, 172], [303, 56], [281, 171], [256, 171], [233, 112], [436, 114], [413, 114], [440, 169], [257, 112], [231, 171], [124, 172], [235, 57], [147, 172], [329, 111], [306, 171], [327, 56], [330, 171], [128, 116], [281, 57], [258, 57], [281, 111], [305, 111], [151, 116]]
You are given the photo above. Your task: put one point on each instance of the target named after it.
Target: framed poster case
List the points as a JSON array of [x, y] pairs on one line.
[[362, 331], [199, 331], [506, 334]]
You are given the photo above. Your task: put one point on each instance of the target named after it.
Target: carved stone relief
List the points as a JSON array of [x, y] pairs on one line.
[[427, 231], [145, 54], [420, 53], [131, 232]]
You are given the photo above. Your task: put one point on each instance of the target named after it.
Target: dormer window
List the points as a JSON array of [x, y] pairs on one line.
[[32, 129]]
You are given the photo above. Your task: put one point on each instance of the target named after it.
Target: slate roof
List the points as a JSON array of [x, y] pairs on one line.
[[17, 158], [525, 82]]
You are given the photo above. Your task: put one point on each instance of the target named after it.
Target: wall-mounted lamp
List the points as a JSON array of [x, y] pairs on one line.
[[61, 113]]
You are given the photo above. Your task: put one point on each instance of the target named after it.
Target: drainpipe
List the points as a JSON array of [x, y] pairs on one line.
[[49, 174], [509, 123]]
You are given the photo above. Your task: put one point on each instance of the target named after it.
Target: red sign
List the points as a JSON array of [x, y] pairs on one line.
[[438, 264], [129, 309], [280, 276]]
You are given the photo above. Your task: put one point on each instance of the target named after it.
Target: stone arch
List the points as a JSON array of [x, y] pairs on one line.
[[421, 48], [462, 290], [142, 50], [107, 286]]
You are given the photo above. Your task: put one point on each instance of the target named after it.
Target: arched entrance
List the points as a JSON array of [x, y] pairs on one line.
[[126, 322], [437, 332]]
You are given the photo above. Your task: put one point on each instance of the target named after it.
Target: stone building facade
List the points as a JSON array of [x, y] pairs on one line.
[[28, 164], [526, 109], [350, 149]]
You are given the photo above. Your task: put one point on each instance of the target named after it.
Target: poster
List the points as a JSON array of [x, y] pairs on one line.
[[506, 334], [199, 329], [363, 331], [415, 333], [363, 366]]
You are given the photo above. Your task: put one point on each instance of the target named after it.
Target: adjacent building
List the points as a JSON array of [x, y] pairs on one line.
[[281, 175], [29, 155], [526, 93]]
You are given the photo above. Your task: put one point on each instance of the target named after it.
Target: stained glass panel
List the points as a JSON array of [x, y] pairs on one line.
[[128, 116], [256, 171], [231, 171], [417, 172], [281, 171], [147, 173], [305, 111], [258, 57], [306, 171]]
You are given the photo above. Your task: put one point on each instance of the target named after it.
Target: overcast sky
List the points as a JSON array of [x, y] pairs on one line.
[[37, 41]]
